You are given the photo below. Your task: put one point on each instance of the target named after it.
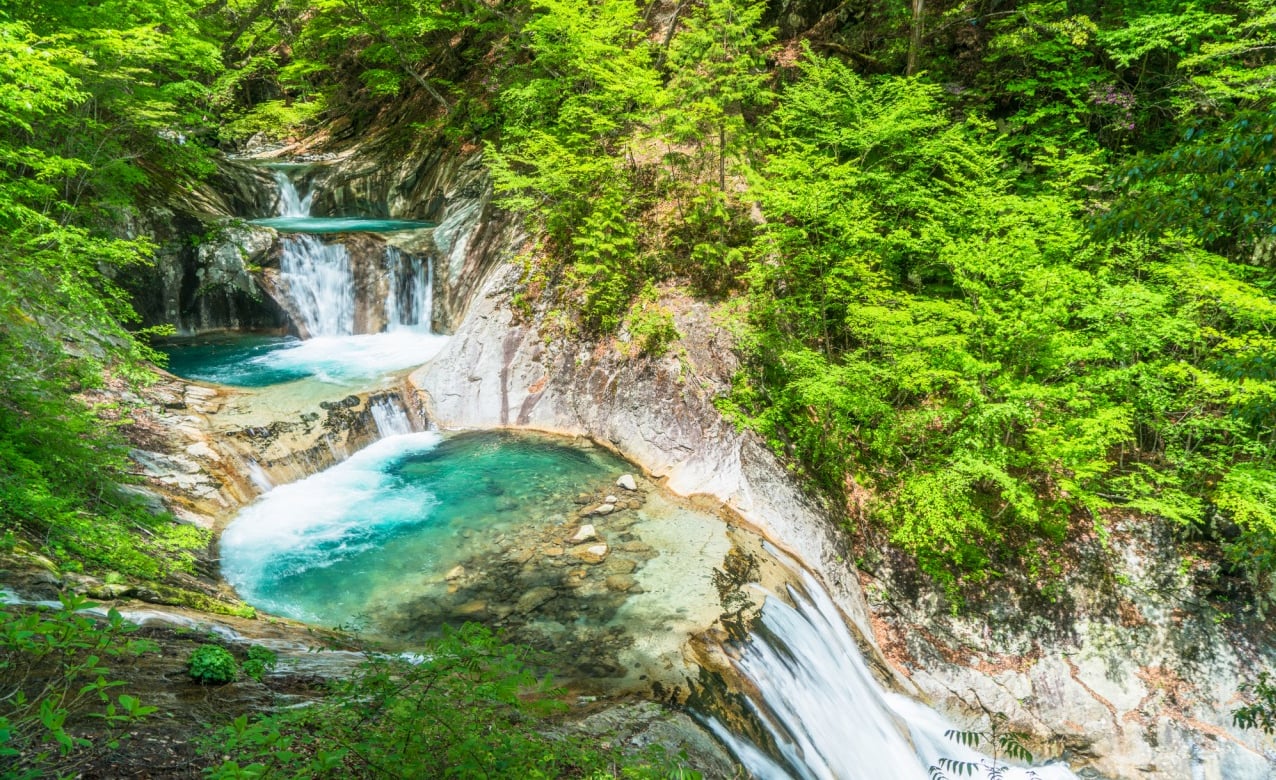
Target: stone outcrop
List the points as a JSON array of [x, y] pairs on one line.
[[205, 452], [1144, 692], [500, 372]]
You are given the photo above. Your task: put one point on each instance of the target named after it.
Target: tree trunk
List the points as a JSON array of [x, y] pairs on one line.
[[722, 155], [915, 38]]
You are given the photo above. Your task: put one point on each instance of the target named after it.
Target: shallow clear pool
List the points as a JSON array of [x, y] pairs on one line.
[[304, 224], [421, 530], [244, 360]]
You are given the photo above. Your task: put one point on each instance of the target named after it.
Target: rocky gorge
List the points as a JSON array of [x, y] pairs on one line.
[[1116, 675]]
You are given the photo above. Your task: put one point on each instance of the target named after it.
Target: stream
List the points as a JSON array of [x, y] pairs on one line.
[[544, 538]]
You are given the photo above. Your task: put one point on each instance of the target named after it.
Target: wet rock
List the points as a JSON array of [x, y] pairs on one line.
[[455, 573], [627, 482], [635, 546], [553, 552], [201, 450], [582, 499], [534, 598], [472, 607], [591, 554], [602, 509], [585, 534], [611, 500], [619, 565], [620, 582], [622, 522], [521, 556]]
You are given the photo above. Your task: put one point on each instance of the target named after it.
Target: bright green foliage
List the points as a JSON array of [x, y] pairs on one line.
[[468, 708], [968, 352], [651, 326], [260, 660], [717, 76], [569, 115], [1260, 713], [53, 675], [211, 664], [94, 99], [1001, 744]]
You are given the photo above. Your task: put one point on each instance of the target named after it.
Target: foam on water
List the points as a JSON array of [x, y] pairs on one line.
[[322, 520], [829, 717], [365, 356]]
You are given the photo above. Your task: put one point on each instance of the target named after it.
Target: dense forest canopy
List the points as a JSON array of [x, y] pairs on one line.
[[998, 269]]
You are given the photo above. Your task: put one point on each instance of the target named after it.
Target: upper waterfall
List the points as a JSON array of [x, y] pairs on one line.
[[291, 203], [320, 281]]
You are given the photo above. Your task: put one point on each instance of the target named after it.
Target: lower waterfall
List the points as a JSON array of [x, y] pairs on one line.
[[826, 713]]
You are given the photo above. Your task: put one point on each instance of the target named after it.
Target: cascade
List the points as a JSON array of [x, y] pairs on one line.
[[410, 299], [825, 711], [320, 282], [391, 416], [291, 203]]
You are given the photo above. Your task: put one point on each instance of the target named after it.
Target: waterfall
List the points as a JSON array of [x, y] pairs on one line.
[[827, 714], [291, 204], [320, 282], [391, 416], [410, 298]]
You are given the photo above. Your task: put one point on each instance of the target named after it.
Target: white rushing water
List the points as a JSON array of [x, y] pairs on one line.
[[291, 202], [410, 303], [307, 525], [318, 278], [320, 281], [827, 714], [391, 417]]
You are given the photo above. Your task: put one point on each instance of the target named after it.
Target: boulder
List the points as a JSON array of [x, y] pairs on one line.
[[534, 598]]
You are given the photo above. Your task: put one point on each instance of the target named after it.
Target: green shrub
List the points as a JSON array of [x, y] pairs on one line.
[[54, 674], [469, 709], [260, 660], [651, 326], [212, 664]]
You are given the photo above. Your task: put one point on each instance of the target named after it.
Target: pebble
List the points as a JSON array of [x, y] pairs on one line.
[[620, 582], [594, 553]]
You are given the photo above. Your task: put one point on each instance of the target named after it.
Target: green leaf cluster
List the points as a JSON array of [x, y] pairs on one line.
[[468, 707], [54, 675]]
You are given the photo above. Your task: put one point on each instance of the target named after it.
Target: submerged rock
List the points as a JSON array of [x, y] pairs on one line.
[[620, 582], [586, 533], [534, 598], [627, 482], [594, 553]]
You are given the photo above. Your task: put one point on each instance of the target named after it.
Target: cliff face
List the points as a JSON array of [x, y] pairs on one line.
[[1114, 670]]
